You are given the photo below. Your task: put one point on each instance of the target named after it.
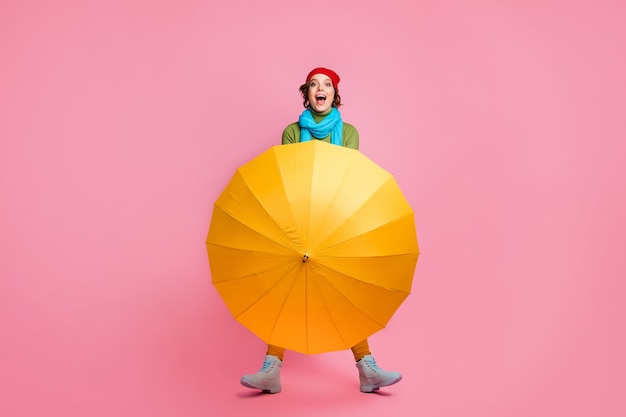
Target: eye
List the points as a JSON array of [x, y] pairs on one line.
[[329, 84], [313, 84]]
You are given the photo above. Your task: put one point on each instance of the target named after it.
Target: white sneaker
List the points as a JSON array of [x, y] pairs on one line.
[[268, 377], [372, 377]]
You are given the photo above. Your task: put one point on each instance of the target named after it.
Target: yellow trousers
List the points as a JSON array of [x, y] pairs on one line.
[[359, 350]]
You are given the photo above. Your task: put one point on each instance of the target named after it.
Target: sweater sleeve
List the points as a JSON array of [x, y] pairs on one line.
[[291, 134], [350, 136]]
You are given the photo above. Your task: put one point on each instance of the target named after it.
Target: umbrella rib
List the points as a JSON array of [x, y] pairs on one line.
[[270, 218], [363, 203], [269, 289], [256, 232], [327, 309], [354, 237], [321, 269], [336, 193], [257, 272], [355, 278], [283, 306]]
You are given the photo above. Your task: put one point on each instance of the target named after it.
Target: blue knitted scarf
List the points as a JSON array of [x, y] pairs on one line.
[[332, 124]]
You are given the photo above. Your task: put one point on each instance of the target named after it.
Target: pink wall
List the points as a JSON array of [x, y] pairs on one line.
[[121, 122]]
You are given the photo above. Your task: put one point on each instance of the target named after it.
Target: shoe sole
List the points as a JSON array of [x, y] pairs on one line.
[[270, 390], [371, 388]]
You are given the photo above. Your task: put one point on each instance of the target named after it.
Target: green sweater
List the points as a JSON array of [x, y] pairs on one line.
[[291, 134]]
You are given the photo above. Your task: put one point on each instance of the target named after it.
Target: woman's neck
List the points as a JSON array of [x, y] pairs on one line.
[[323, 113], [319, 116]]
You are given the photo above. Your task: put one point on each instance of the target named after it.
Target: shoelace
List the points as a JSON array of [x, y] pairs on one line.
[[371, 363], [266, 365]]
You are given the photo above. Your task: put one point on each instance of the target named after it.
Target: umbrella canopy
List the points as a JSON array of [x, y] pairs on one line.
[[312, 246]]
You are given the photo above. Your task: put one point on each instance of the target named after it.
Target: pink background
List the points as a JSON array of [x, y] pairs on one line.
[[121, 122]]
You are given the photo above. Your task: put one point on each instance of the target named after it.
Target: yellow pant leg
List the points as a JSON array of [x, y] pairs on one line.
[[361, 349]]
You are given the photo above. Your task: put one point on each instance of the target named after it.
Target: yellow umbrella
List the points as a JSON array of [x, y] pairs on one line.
[[312, 246]]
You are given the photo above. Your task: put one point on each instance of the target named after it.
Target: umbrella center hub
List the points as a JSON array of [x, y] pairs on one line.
[[305, 257]]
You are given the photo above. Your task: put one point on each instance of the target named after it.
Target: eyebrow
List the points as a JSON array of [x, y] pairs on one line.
[[323, 79]]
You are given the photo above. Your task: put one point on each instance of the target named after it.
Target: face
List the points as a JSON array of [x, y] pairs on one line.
[[321, 93]]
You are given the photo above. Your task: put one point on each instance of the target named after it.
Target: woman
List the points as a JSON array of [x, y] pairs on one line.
[[321, 120]]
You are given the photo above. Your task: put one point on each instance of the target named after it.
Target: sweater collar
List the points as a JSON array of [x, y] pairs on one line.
[[318, 117]]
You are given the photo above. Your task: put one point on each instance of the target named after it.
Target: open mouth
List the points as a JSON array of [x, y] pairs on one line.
[[320, 98]]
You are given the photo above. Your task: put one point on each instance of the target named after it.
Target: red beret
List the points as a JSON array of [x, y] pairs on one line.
[[330, 73]]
